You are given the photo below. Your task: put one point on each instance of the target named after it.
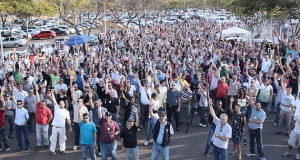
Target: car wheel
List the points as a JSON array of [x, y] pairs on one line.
[[50, 37], [63, 34], [36, 38], [17, 45]]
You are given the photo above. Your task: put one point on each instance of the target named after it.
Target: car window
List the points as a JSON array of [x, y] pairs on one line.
[[12, 39], [6, 39], [42, 32], [48, 32]]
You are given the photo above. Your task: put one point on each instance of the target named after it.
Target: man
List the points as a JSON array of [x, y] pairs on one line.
[[294, 139], [30, 103], [255, 125], [162, 132], [108, 138], [77, 107], [43, 117], [61, 114], [202, 104], [222, 91], [285, 113], [221, 135], [185, 98], [20, 94], [27, 86], [98, 104], [21, 121], [9, 114], [173, 104], [129, 138], [3, 132], [113, 106], [88, 136], [60, 85], [145, 92]]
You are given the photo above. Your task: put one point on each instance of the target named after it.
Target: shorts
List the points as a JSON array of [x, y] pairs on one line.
[[294, 139]]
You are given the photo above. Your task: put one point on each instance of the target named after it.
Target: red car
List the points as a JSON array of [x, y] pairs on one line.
[[44, 34]]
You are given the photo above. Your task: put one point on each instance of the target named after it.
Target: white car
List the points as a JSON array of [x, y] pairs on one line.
[[21, 34], [70, 29], [13, 42], [33, 31]]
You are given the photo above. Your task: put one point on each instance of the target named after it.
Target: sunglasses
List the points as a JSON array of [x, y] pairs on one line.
[[129, 121], [19, 104]]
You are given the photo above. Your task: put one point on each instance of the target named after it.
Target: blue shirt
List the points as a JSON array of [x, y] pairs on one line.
[[172, 97], [87, 131], [257, 115]]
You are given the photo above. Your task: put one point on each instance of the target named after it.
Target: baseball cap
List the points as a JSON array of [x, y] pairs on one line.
[[108, 114]]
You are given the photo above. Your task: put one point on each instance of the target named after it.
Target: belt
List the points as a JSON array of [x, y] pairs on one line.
[[154, 111]]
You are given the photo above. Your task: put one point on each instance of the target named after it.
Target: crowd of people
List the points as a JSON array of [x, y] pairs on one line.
[[149, 78]]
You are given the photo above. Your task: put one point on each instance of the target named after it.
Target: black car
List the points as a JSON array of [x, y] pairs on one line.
[[59, 31]]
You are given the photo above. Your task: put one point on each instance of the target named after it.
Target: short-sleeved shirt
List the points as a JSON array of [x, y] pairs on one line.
[[87, 131], [21, 116], [60, 116], [224, 131], [42, 114], [287, 100], [31, 103], [83, 110], [106, 129], [160, 136], [129, 137], [259, 116], [172, 97]]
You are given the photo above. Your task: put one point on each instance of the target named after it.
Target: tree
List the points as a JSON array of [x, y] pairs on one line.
[[5, 10]]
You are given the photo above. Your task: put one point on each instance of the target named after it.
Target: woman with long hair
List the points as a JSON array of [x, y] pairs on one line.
[[238, 127]]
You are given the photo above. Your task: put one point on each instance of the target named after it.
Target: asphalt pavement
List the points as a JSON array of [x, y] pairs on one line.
[[184, 146]]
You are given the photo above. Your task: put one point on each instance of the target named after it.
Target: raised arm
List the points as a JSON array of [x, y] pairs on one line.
[[212, 111], [37, 93], [99, 109], [230, 105]]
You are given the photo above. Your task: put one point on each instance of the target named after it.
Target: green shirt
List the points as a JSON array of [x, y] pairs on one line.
[[54, 79], [223, 73], [18, 78]]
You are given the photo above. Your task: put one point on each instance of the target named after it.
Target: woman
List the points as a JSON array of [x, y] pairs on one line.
[[238, 127], [266, 94], [234, 86], [62, 97], [242, 101]]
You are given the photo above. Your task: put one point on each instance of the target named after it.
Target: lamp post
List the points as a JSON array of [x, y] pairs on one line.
[[2, 55]]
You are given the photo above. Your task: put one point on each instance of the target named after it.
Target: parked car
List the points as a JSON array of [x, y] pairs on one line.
[[21, 34], [13, 42], [44, 34], [70, 29], [33, 31], [59, 31], [93, 40]]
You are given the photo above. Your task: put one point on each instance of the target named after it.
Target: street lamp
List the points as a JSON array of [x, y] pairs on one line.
[[2, 55]]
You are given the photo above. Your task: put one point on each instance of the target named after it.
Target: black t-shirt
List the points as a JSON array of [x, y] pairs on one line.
[[111, 104], [294, 83], [129, 137]]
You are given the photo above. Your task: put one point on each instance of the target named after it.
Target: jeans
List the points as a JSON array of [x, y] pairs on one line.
[[109, 148], [244, 110], [170, 110], [149, 130], [203, 115], [84, 148], [3, 134], [220, 153], [256, 134], [61, 132], [77, 133], [42, 130], [144, 113], [29, 122], [23, 129], [132, 151], [156, 149], [10, 119], [212, 129], [272, 104], [277, 112], [98, 139]]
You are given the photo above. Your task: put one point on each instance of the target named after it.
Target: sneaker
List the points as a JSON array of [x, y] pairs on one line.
[[63, 152], [206, 154], [46, 146], [245, 141], [0, 149], [19, 149], [75, 147], [287, 153], [249, 154], [100, 155], [264, 158], [147, 142], [200, 125], [37, 148], [204, 125], [287, 134], [28, 149], [275, 124], [138, 129], [53, 152], [297, 156], [11, 136], [7, 149]]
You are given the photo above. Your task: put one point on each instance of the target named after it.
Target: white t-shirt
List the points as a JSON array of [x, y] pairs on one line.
[[60, 116], [297, 105], [155, 107], [297, 124], [224, 131], [144, 97], [287, 100], [76, 116], [266, 65]]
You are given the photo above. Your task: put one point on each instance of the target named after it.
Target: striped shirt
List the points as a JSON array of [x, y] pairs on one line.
[[172, 97], [259, 116], [186, 94]]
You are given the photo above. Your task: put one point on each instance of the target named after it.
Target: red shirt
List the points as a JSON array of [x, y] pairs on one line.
[[222, 90], [1, 118], [108, 129], [42, 114]]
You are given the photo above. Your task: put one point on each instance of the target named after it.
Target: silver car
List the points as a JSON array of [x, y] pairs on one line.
[[13, 42]]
